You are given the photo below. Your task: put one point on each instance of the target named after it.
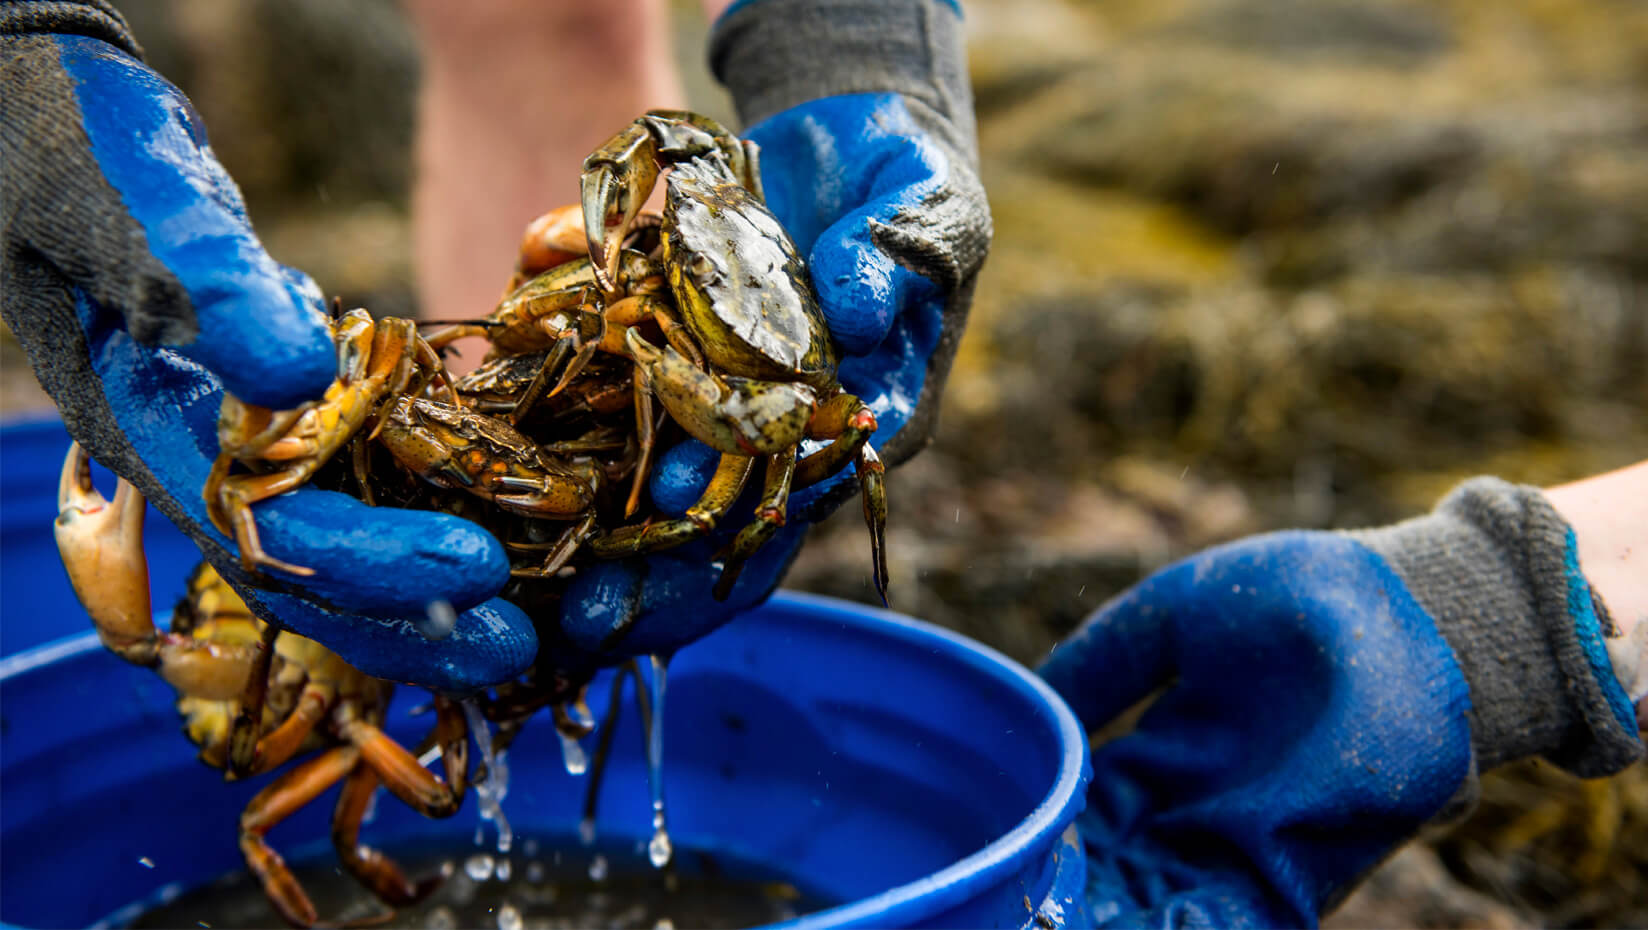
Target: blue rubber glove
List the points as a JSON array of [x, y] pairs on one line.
[[139, 290], [880, 192], [1325, 696]]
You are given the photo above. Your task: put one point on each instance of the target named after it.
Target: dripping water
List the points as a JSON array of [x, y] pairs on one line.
[[572, 753], [658, 850], [492, 790]]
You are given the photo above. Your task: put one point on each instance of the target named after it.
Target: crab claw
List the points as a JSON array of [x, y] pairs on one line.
[[618, 177], [102, 548], [741, 416]]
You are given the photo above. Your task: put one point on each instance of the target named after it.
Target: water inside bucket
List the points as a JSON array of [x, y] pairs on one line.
[[549, 882]]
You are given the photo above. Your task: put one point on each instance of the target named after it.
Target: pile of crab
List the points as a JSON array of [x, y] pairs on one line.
[[705, 310], [620, 333]]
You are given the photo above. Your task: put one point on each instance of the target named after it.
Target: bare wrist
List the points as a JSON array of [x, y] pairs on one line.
[[1609, 515]]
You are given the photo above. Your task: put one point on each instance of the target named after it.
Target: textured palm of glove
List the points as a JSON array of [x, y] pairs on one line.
[[1318, 705], [138, 289], [868, 158]]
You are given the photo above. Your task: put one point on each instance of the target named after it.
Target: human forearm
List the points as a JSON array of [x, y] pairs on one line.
[[515, 94]]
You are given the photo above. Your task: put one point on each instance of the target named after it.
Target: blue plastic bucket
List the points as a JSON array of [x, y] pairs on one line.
[[913, 774]]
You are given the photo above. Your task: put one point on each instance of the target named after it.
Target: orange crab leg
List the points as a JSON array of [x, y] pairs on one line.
[[452, 735], [238, 494], [284, 796], [284, 741], [401, 773], [245, 733], [371, 867]]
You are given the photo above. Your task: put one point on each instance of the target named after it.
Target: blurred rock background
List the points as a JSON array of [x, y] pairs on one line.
[[1258, 264]]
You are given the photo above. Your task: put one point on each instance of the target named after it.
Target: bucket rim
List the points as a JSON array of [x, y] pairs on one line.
[[914, 901]]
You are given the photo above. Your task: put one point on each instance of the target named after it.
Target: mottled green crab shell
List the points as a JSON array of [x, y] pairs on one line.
[[739, 282]]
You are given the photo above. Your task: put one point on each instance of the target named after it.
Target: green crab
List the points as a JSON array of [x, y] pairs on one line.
[[751, 368]]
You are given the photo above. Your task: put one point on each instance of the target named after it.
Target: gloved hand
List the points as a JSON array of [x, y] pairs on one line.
[[139, 291], [869, 159], [1325, 696]]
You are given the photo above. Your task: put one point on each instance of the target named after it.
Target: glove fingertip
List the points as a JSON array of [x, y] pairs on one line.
[[381, 559], [269, 344], [680, 476], [493, 642], [601, 603], [860, 288]]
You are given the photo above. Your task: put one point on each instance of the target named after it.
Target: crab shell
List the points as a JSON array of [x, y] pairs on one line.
[[739, 281]]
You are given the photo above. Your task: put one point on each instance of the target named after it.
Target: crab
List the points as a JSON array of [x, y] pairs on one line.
[[377, 359], [454, 447], [750, 369], [254, 697]]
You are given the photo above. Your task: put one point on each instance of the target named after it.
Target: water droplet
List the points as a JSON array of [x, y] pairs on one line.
[[438, 620], [598, 868], [664, 923], [659, 850], [572, 752], [504, 869], [534, 872], [479, 867], [509, 918], [441, 918], [530, 846], [586, 831], [146, 862]]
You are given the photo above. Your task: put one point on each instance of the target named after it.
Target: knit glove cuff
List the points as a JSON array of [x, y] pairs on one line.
[[95, 18], [776, 54], [1497, 569]]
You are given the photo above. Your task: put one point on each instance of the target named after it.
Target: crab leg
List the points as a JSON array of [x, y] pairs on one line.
[[741, 416], [844, 419], [283, 797], [402, 774], [872, 483], [769, 516], [374, 360], [731, 474], [851, 422], [102, 548], [236, 498], [247, 730], [371, 867], [645, 437], [284, 741], [561, 551]]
